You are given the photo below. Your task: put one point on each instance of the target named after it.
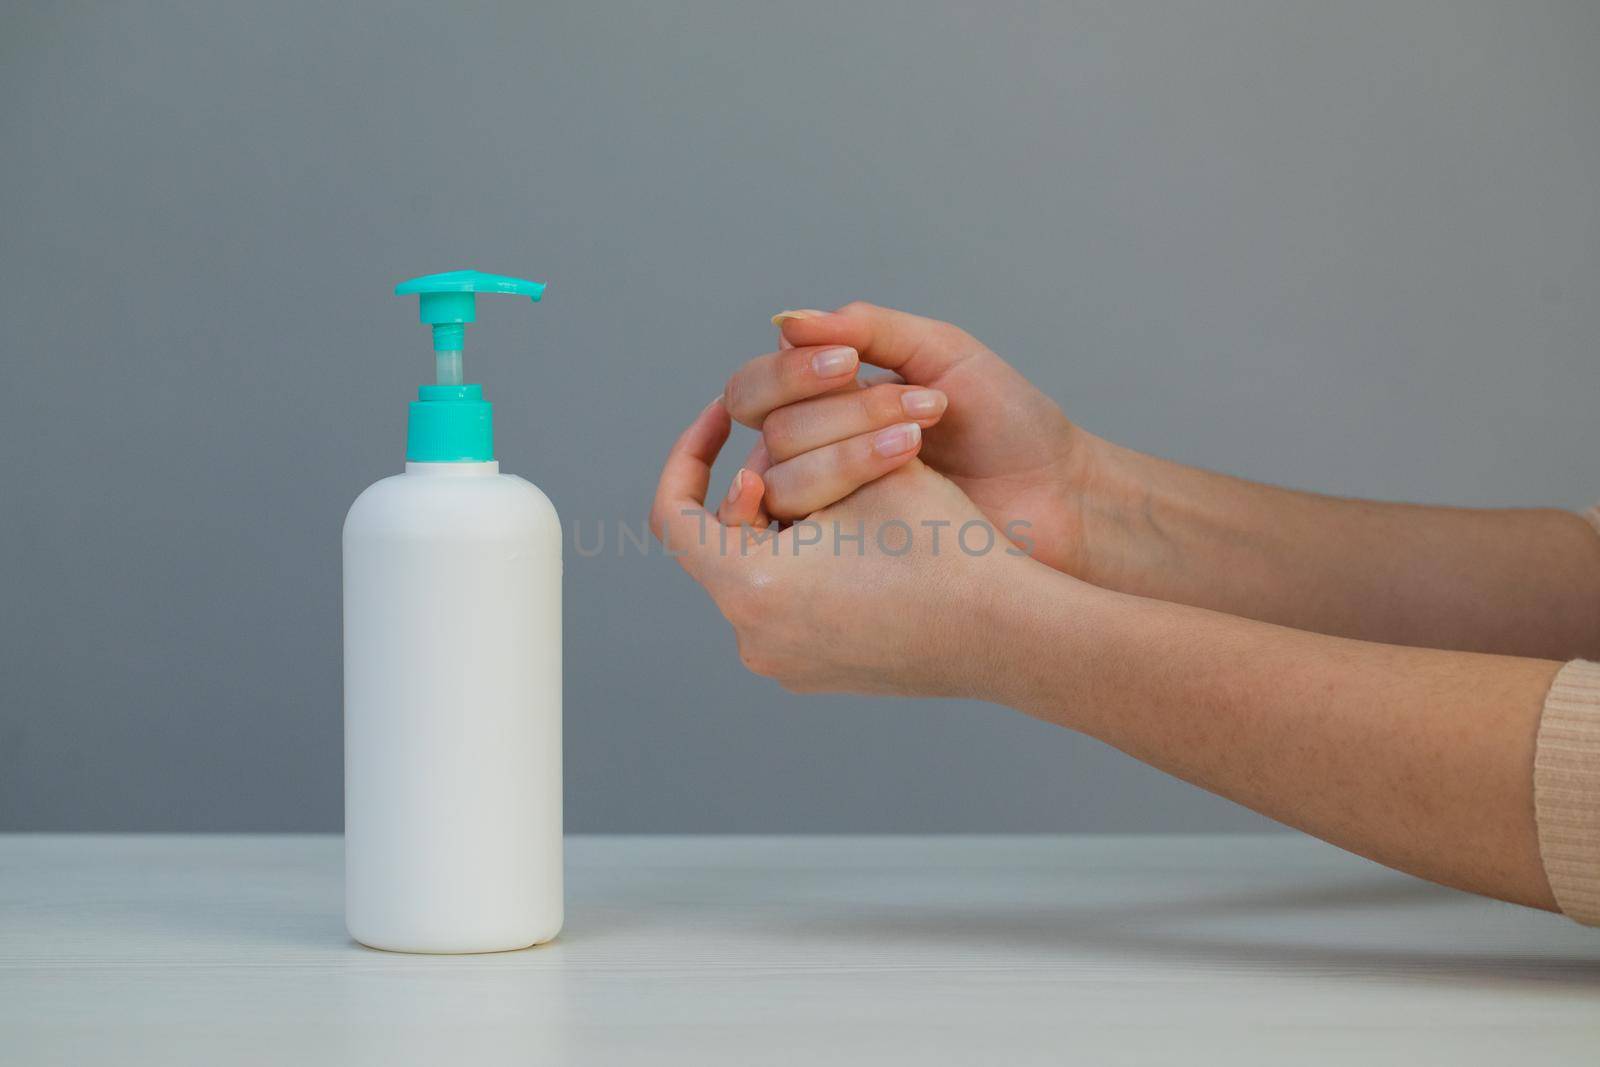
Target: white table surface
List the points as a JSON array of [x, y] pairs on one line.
[[746, 950]]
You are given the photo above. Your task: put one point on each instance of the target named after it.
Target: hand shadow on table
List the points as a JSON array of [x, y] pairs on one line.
[[1196, 930]]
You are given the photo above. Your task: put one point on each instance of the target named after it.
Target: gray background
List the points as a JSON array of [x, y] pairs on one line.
[[1347, 246]]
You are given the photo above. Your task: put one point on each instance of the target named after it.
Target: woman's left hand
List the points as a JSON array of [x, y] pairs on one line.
[[885, 591]]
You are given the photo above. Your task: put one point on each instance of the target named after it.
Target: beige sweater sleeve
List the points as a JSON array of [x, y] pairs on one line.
[[1566, 790], [1566, 785]]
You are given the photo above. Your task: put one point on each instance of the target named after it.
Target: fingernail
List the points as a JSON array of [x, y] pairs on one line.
[[897, 440], [920, 403], [714, 402], [738, 484], [803, 313], [832, 362]]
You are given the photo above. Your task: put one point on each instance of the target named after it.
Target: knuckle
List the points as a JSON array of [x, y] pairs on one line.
[[881, 404], [853, 460], [857, 307], [779, 431], [794, 366], [952, 338], [734, 394], [779, 497], [755, 661]]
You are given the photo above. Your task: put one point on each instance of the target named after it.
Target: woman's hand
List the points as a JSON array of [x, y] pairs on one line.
[[883, 592], [1006, 445], [1439, 577]]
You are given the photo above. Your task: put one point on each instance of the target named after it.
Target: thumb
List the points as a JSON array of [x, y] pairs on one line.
[[920, 350]]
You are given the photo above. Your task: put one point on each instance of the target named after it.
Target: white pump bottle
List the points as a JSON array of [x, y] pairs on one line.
[[452, 676]]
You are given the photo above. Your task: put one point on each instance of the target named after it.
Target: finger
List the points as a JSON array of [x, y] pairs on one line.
[[678, 516], [742, 505], [743, 501], [813, 480], [919, 349], [758, 462], [823, 420], [779, 378]]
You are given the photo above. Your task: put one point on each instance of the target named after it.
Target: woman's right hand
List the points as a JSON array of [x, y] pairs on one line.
[[1399, 574], [1005, 444]]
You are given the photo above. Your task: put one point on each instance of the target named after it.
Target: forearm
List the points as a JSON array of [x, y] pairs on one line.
[[1514, 581], [1419, 759]]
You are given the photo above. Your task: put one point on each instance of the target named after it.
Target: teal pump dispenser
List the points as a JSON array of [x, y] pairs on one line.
[[450, 420]]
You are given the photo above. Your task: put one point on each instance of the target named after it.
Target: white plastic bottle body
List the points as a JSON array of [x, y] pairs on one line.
[[452, 712]]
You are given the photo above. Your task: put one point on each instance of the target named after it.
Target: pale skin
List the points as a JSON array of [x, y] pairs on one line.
[[1370, 673]]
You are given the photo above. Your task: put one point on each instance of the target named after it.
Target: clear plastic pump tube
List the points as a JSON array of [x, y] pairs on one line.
[[449, 367]]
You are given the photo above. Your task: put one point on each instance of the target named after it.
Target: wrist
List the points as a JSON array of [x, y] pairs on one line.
[[1035, 643], [1135, 518], [1097, 505]]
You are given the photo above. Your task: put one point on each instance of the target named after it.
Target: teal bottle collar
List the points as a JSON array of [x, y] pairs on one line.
[[450, 424]]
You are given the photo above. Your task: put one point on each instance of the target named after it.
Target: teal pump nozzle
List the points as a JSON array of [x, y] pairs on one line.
[[449, 301], [450, 421]]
